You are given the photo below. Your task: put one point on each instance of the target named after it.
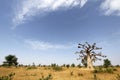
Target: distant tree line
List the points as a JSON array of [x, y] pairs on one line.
[[12, 60]]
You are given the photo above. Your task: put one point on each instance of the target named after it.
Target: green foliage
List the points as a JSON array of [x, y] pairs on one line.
[[8, 77], [107, 63], [118, 77], [11, 60], [49, 77], [72, 65], [57, 68]]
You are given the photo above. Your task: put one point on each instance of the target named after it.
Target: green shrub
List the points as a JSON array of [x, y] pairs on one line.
[[9, 77], [107, 63]]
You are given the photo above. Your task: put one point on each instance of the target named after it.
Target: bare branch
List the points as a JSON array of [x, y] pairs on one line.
[[81, 46]]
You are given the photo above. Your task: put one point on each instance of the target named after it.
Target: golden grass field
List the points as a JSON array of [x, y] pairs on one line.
[[21, 73]]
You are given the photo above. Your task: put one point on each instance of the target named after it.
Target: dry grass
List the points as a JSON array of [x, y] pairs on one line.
[[21, 73]]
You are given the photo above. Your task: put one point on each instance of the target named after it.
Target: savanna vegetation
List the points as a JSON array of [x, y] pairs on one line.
[[12, 70]]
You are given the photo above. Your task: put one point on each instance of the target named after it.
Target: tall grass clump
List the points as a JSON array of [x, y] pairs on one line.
[[98, 70], [104, 70]]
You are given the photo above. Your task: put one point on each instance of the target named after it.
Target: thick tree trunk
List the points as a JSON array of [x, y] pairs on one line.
[[89, 63]]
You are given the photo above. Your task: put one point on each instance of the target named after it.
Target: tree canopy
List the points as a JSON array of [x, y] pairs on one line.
[[11, 60]]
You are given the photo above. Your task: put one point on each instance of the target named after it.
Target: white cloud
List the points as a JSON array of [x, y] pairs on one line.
[[40, 45], [111, 7], [30, 8]]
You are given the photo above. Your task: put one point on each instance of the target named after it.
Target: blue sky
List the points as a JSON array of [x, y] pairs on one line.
[[48, 31]]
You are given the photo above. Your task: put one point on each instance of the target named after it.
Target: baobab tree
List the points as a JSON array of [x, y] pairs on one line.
[[88, 54]]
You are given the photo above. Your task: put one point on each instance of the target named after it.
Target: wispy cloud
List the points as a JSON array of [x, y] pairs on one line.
[[40, 45], [29, 8], [111, 7]]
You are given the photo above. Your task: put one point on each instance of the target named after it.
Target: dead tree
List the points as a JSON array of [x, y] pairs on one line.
[[87, 54]]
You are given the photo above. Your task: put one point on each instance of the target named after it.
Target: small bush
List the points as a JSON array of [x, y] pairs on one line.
[[49, 77], [9, 77], [80, 74], [73, 65], [67, 65], [114, 69], [98, 70]]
